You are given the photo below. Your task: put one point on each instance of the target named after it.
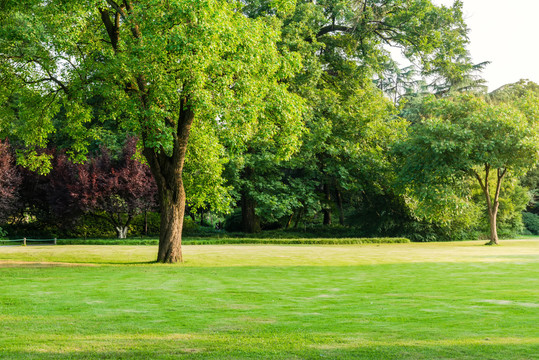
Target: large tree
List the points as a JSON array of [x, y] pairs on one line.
[[345, 45], [464, 140], [161, 69]]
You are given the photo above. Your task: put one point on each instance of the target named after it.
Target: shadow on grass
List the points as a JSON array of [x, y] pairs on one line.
[[47, 264], [168, 352]]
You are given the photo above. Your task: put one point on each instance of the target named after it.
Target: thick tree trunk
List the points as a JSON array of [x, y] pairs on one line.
[[327, 210], [167, 168], [167, 171], [250, 221], [172, 206]]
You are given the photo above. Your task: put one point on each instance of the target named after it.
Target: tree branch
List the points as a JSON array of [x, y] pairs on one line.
[[134, 29], [331, 28], [112, 30], [118, 9], [501, 174]]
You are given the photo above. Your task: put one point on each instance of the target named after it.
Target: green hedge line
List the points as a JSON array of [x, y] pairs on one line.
[[107, 242], [223, 241]]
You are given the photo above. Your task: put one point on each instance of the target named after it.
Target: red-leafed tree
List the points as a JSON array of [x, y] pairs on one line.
[[115, 190], [10, 181]]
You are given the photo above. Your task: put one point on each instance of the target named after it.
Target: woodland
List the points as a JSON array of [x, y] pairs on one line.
[[133, 118]]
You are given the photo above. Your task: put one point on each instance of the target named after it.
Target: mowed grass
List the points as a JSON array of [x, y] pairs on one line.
[[396, 301]]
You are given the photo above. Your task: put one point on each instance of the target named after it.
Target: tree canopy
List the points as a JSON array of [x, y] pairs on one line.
[[159, 68], [464, 139], [285, 109]]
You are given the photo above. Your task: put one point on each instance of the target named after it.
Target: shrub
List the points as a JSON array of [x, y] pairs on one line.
[[531, 222], [233, 221], [223, 241], [298, 241]]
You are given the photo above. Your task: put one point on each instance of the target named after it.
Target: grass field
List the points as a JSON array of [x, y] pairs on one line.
[[389, 301]]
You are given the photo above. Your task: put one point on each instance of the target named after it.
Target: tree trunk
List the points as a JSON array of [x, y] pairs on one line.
[[172, 206], [166, 167], [298, 218], [492, 204], [250, 221], [145, 223], [289, 221], [121, 232], [167, 171], [341, 210], [493, 229], [327, 210]]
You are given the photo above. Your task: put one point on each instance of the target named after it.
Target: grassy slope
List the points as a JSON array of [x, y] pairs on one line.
[[405, 301]]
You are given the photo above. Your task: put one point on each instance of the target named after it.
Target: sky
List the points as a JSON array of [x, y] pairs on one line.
[[506, 33]]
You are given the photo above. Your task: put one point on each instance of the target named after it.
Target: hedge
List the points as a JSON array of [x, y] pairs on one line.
[[223, 241]]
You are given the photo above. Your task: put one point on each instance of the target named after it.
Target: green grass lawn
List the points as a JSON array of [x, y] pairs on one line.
[[389, 301]]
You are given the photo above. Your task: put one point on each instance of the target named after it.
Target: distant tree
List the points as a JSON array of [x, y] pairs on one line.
[[465, 139], [514, 91], [344, 44], [460, 75], [115, 190], [10, 181]]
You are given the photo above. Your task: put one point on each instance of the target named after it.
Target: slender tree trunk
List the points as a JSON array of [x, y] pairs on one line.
[[327, 210], [298, 218], [493, 228], [145, 223], [492, 204], [84, 226], [339, 204], [121, 232], [289, 221], [120, 226]]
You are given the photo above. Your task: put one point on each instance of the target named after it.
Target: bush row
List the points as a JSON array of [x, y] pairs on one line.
[[223, 241], [299, 241]]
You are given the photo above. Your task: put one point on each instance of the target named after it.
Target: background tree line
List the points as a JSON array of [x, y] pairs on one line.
[[395, 195], [266, 114]]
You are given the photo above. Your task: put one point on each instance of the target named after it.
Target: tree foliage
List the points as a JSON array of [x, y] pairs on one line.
[[463, 141], [10, 182], [344, 44], [160, 68], [286, 109], [115, 189]]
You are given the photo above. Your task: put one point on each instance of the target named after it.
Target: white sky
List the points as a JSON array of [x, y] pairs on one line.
[[506, 33]]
